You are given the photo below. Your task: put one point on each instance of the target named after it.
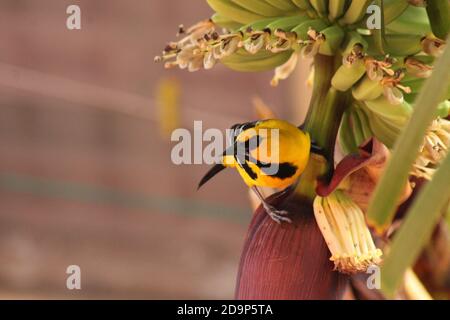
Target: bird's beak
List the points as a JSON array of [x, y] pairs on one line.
[[211, 173]]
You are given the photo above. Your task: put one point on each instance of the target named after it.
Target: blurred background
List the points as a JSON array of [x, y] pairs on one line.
[[85, 171]]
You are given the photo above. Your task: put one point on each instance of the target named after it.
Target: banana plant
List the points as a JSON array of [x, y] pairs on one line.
[[381, 94]]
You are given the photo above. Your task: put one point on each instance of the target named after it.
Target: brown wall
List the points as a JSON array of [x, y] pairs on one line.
[[85, 177]]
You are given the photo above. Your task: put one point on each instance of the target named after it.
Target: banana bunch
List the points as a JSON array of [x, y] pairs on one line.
[[309, 27], [344, 12], [383, 70], [378, 118]]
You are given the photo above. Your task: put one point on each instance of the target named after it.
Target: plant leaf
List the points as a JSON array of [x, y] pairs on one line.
[[416, 229]]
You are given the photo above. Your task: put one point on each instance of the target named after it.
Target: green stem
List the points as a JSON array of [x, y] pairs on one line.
[[322, 122]]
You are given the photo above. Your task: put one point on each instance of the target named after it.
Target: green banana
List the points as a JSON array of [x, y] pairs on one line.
[[261, 61], [259, 7], [403, 44], [284, 5], [400, 45], [336, 9], [347, 75], [346, 137], [287, 23], [393, 9], [364, 120], [354, 129], [228, 9], [398, 114], [382, 130], [367, 89], [334, 36], [225, 22], [352, 39], [443, 110], [439, 14], [358, 134], [321, 7], [413, 20], [302, 29], [259, 25], [355, 12]]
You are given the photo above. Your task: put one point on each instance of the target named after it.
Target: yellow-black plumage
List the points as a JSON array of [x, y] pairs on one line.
[[267, 153]]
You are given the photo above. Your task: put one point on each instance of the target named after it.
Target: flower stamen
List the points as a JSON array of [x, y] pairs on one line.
[[433, 150], [418, 68], [377, 69], [344, 228]]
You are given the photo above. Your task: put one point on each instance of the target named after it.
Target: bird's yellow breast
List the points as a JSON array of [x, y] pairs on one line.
[[280, 155]]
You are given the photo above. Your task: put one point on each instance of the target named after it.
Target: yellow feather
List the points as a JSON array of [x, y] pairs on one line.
[[290, 146]]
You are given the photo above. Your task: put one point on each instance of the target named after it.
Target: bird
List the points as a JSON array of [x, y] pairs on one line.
[[266, 153]]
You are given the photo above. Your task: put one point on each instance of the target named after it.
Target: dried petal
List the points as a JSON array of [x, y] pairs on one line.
[[393, 95], [284, 71], [360, 172], [195, 64], [417, 68], [433, 46], [209, 60], [433, 150], [255, 42]]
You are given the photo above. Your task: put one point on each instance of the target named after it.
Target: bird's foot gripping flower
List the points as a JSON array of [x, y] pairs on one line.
[[344, 228]]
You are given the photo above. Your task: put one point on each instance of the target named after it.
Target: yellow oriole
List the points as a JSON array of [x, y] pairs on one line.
[[267, 153]]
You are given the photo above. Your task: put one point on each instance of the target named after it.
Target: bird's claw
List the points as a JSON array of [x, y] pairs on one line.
[[278, 215]]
